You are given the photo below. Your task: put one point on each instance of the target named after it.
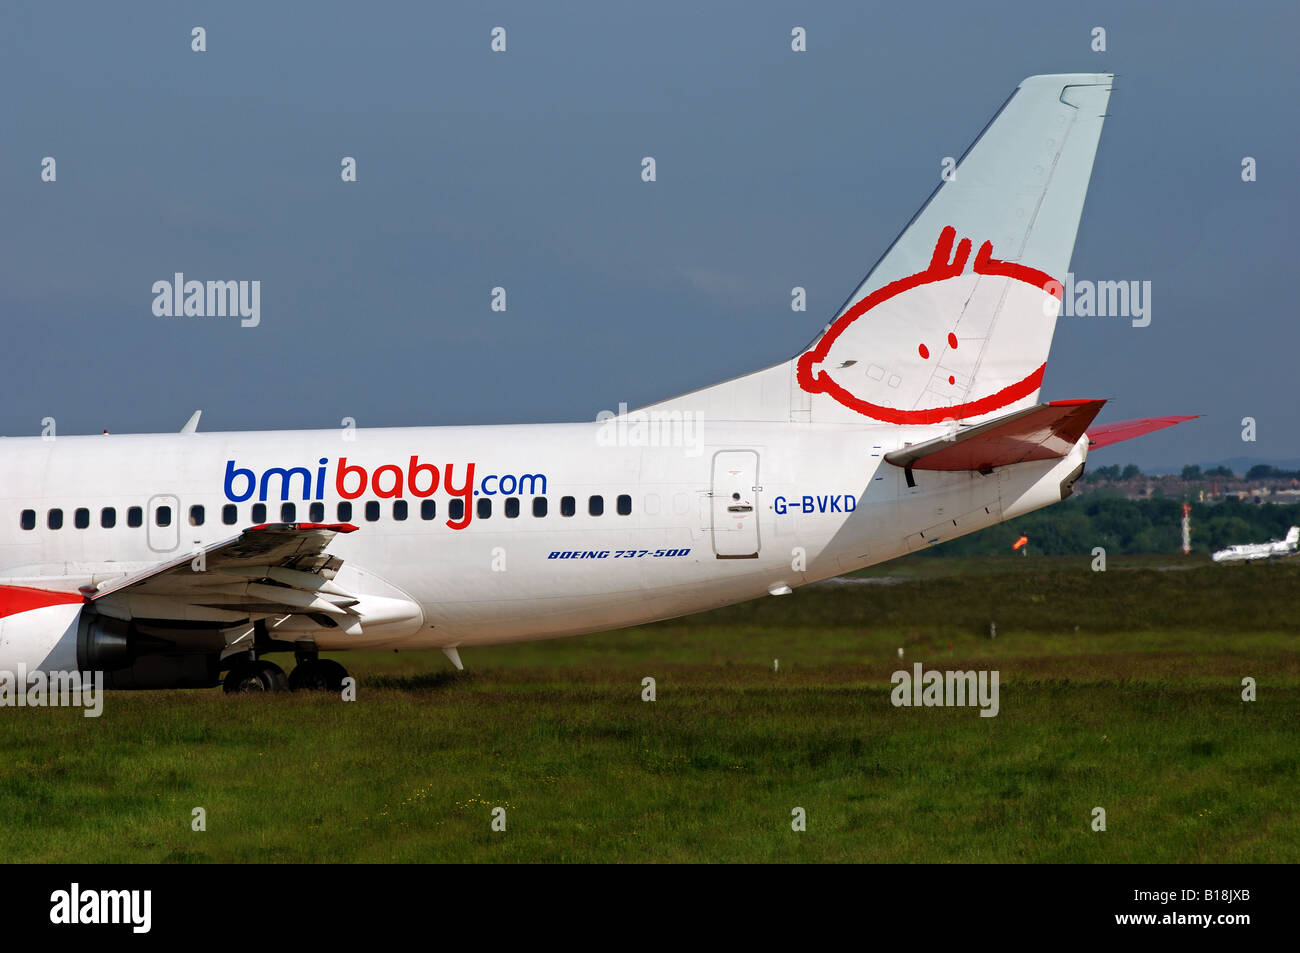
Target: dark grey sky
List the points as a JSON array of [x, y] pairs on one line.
[[522, 170]]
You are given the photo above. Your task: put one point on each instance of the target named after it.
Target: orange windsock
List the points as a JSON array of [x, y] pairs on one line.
[[1022, 541]]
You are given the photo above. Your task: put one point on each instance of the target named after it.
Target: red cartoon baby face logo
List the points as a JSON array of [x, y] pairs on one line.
[[940, 344]]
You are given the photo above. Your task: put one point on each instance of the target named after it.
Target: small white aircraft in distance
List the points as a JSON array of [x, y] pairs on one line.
[[1274, 549], [166, 560]]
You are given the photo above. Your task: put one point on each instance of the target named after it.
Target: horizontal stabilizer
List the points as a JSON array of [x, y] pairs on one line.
[[1045, 432], [1107, 434]]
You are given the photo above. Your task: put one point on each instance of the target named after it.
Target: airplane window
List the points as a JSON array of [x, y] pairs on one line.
[[484, 508], [568, 506], [81, 517], [135, 517], [372, 510], [288, 512], [108, 517], [316, 512], [539, 506], [196, 515], [54, 519], [624, 505], [456, 510], [512, 507], [259, 513], [28, 520], [399, 509], [428, 509], [230, 514], [162, 516], [595, 505], [345, 512]]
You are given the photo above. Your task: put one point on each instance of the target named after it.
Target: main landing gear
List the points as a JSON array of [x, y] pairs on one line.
[[255, 676], [317, 675], [260, 675]]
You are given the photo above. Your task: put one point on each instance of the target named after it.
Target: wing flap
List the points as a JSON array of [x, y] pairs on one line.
[[270, 568]]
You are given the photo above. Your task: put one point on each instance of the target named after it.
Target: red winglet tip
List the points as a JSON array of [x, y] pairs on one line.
[[1107, 434]]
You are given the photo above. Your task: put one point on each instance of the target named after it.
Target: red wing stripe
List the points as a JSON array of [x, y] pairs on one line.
[[16, 599]]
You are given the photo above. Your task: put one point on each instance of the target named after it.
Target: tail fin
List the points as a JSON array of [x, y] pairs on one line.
[[1293, 535], [956, 318], [955, 321]]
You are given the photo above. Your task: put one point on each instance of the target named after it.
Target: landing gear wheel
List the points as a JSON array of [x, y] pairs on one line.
[[318, 675], [307, 676], [250, 677], [272, 676], [243, 679], [334, 674]]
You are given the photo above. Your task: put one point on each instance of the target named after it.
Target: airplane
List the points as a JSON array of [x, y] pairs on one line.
[[190, 559], [1248, 552]]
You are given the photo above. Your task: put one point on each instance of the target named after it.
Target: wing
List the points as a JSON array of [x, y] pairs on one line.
[[274, 569]]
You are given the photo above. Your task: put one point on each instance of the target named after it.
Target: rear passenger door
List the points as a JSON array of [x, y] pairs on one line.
[[734, 504]]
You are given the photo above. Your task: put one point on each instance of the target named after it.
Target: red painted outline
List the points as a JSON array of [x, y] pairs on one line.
[[18, 599], [941, 268], [986, 264]]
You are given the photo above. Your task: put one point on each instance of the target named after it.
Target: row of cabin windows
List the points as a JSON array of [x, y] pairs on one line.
[[162, 515]]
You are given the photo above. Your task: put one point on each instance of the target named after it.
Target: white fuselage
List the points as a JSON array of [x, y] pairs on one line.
[[749, 509]]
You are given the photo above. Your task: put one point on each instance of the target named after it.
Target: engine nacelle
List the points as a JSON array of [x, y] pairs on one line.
[[57, 632], [39, 630], [103, 644]]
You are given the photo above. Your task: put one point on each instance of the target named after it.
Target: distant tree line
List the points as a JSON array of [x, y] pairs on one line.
[[1262, 471], [1111, 474], [1191, 472], [1125, 527]]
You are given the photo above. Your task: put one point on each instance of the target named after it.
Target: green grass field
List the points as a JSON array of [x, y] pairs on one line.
[[1119, 689]]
